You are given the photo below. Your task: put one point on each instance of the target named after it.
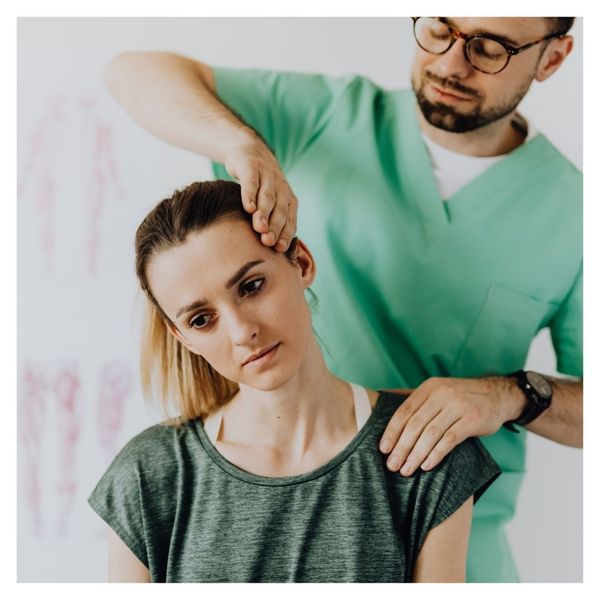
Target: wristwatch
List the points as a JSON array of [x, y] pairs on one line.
[[538, 392]]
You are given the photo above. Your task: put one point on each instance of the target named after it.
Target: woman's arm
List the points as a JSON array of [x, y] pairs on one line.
[[443, 556], [123, 565]]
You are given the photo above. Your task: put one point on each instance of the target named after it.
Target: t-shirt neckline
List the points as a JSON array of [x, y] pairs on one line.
[[247, 476]]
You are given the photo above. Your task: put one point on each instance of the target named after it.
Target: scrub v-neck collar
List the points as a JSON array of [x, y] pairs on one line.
[[416, 171]]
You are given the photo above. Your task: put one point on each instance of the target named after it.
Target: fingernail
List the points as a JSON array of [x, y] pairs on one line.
[[385, 446], [252, 206], [406, 468], [393, 463], [426, 465], [263, 221], [270, 237], [282, 244]]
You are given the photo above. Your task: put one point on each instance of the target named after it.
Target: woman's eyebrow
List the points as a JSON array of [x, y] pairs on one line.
[[193, 306], [230, 283], [241, 272]]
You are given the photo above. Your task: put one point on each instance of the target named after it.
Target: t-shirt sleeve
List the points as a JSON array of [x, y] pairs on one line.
[[567, 331], [288, 110], [117, 500], [467, 471]]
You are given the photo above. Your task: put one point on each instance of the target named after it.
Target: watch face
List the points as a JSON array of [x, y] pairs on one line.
[[540, 385]]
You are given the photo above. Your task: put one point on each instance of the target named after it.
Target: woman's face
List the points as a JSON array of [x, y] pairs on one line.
[[237, 303]]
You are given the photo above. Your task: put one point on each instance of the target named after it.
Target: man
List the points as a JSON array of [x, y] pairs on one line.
[[447, 231]]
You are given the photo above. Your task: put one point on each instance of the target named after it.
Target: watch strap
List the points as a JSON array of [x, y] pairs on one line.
[[533, 408]]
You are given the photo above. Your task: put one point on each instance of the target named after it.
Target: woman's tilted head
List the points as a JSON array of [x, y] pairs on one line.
[[223, 309]]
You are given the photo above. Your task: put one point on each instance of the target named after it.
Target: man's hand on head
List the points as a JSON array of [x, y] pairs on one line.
[[266, 194]]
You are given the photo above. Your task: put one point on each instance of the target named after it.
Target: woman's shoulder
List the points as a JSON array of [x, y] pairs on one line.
[[387, 400], [469, 466], [140, 484], [154, 448], [155, 437], [378, 397], [150, 462]]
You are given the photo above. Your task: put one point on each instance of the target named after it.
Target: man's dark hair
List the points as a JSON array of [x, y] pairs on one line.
[[559, 24]]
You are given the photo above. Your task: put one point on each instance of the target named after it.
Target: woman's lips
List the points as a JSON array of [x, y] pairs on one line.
[[264, 358]]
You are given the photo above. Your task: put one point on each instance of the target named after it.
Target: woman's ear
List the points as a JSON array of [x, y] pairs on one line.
[[304, 259]]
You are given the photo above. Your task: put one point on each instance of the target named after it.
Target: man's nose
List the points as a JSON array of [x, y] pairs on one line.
[[454, 63]]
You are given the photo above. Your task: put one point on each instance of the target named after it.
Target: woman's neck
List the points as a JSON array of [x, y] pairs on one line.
[[312, 410]]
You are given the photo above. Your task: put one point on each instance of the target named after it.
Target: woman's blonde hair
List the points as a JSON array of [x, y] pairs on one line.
[[178, 378]]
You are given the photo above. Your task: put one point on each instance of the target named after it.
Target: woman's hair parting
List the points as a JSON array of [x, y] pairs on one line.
[[170, 373]]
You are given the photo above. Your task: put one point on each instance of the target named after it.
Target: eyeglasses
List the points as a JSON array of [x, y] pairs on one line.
[[486, 52]]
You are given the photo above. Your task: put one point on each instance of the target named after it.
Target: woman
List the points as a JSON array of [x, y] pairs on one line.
[[271, 472]]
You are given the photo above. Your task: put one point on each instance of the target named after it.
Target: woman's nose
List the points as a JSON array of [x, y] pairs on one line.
[[243, 329]]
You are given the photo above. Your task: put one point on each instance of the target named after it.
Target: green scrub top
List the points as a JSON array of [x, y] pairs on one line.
[[410, 286]]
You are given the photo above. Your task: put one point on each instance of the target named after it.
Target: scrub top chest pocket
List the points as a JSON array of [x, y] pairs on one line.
[[500, 336]]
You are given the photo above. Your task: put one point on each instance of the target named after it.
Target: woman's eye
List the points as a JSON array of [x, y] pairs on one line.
[[200, 322], [251, 287]]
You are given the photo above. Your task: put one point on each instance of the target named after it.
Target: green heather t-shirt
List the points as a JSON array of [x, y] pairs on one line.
[[191, 516]]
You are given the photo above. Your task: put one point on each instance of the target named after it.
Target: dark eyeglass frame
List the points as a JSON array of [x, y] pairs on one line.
[[510, 50]]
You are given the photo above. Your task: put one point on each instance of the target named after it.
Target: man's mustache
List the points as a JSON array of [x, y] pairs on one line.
[[448, 83]]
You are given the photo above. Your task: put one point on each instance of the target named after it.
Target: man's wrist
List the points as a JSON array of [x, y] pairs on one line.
[[239, 145], [242, 136], [512, 399], [230, 136]]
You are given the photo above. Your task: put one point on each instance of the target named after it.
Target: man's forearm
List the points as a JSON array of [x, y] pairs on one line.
[[563, 421], [173, 97]]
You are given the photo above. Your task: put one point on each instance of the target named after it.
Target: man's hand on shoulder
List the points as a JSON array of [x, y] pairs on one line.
[[441, 413], [266, 194]]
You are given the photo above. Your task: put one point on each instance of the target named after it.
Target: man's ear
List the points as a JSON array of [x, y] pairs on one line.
[[172, 328], [304, 259], [553, 56]]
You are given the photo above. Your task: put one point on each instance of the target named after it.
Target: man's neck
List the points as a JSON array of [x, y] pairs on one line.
[[495, 139]]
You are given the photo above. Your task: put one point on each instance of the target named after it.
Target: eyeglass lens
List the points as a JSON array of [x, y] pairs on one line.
[[485, 54]]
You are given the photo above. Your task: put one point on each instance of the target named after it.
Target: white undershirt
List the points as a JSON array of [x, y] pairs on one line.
[[453, 170]]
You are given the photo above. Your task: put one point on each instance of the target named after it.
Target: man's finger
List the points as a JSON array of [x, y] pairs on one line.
[[397, 422], [453, 436], [278, 219], [411, 432], [431, 435], [265, 204], [249, 187], [289, 230]]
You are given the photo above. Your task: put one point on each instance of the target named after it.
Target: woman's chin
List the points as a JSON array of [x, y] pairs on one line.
[[269, 384], [269, 381]]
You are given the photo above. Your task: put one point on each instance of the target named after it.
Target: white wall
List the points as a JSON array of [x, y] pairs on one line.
[[87, 175]]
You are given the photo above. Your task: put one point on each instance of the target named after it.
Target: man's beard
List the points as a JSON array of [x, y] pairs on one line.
[[447, 118]]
